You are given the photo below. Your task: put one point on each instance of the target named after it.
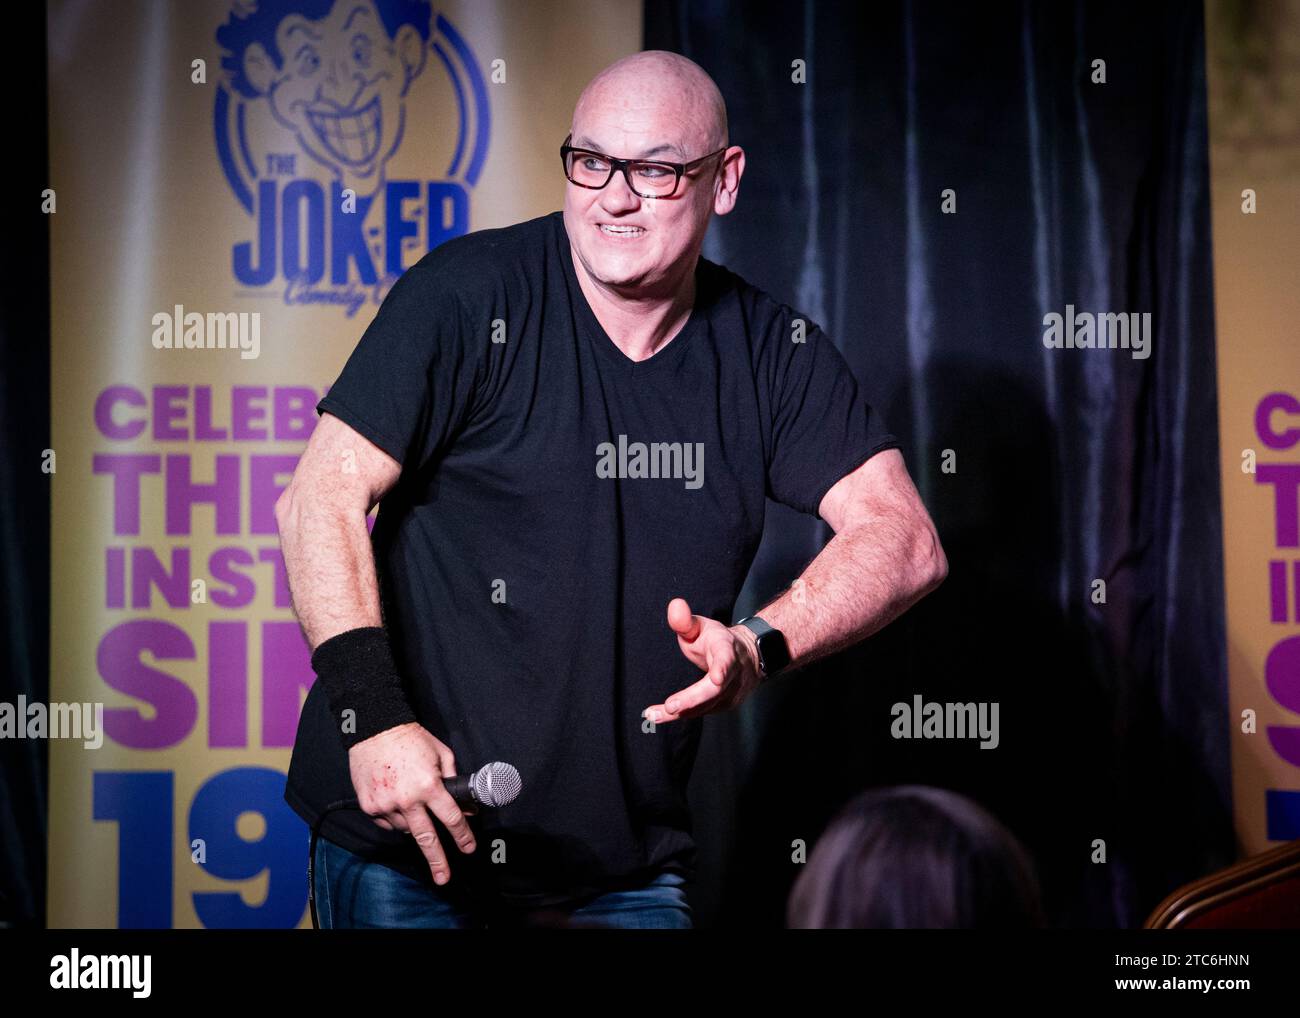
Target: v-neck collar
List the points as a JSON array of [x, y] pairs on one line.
[[666, 354]]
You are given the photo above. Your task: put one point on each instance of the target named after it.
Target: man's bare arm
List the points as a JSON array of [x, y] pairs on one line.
[[323, 535], [398, 773], [885, 556]]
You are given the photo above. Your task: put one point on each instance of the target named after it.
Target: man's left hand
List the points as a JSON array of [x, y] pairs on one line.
[[728, 655]]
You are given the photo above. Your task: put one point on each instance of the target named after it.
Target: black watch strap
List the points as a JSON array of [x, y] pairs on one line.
[[773, 654]]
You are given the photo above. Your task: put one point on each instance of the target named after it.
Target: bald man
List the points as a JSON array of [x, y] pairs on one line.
[[571, 427]]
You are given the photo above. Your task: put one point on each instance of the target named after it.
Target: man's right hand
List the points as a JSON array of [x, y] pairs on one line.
[[398, 777]]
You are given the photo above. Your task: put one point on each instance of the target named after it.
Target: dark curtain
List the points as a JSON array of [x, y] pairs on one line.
[[24, 489], [1072, 466]]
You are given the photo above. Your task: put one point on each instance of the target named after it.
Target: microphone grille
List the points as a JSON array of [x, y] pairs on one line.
[[497, 784]]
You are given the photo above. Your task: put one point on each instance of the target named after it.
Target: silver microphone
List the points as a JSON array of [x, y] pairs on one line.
[[494, 784]]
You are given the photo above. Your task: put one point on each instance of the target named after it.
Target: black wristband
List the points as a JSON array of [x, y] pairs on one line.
[[361, 682]]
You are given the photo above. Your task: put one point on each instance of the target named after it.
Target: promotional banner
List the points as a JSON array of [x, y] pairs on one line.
[[235, 185], [1254, 97]]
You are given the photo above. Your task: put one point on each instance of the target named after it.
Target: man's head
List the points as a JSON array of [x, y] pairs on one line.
[[650, 105]]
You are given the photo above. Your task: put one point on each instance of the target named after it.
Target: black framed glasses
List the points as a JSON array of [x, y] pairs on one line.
[[649, 178]]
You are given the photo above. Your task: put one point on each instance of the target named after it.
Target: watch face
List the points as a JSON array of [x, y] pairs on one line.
[[773, 654]]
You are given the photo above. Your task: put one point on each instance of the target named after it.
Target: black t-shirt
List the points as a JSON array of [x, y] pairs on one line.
[[555, 496]]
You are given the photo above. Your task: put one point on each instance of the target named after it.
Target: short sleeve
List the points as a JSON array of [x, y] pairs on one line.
[[411, 381], [822, 426]]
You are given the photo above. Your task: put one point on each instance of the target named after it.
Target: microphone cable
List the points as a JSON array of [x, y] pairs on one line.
[[333, 807]]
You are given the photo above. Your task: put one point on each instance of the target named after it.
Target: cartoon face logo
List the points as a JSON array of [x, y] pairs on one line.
[[309, 122], [335, 73]]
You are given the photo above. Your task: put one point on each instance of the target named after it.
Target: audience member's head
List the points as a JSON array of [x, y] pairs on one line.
[[915, 857]]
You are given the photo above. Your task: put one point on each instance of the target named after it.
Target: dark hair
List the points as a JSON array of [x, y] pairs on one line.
[[915, 857], [259, 25]]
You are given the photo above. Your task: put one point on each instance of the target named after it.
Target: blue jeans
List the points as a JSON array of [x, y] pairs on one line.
[[352, 893]]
